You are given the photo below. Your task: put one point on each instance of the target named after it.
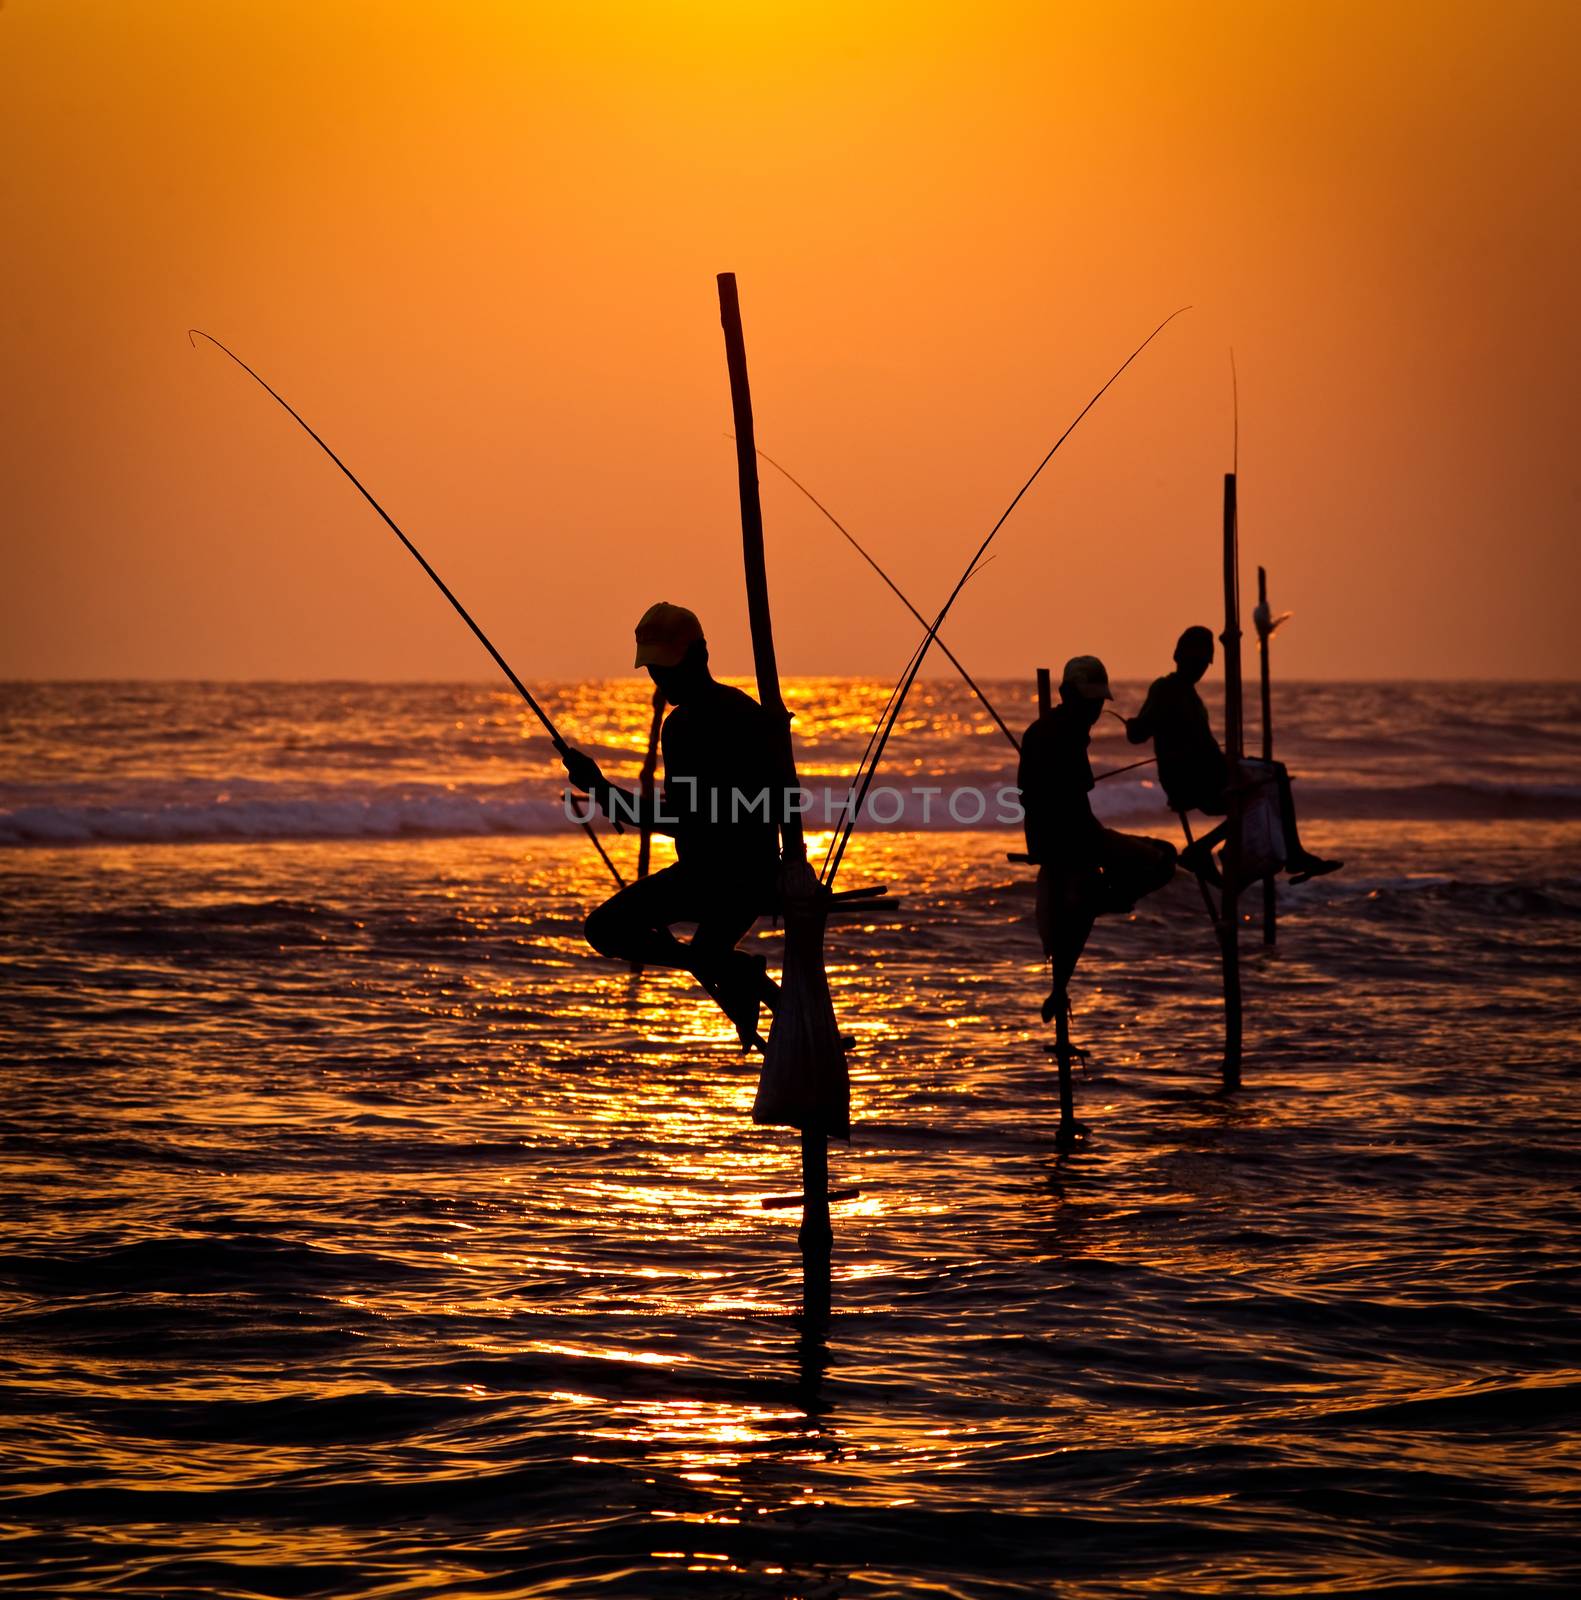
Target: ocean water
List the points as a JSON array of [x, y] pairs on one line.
[[365, 1235]]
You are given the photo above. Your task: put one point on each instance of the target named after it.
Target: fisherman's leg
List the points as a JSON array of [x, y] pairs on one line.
[[737, 980], [634, 925], [1045, 913], [1294, 850], [1070, 940], [1197, 857], [1133, 866], [716, 958], [1300, 863], [1065, 917]]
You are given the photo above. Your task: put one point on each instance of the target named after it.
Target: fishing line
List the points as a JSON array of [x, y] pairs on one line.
[[861, 765], [971, 566], [856, 776]]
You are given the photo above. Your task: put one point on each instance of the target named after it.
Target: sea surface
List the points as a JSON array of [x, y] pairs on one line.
[[366, 1235]]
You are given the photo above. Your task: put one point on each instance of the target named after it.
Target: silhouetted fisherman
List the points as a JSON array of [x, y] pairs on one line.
[[719, 777], [1085, 870], [1192, 767]]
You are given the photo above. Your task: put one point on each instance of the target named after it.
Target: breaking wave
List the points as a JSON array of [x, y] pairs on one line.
[[446, 811]]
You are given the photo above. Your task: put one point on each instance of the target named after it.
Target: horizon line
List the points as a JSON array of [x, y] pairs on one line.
[[745, 677]]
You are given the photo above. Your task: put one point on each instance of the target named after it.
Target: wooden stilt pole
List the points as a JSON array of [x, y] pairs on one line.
[[816, 1235], [1064, 1054], [650, 767], [1270, 891], [805, 1083], [1229, 910]]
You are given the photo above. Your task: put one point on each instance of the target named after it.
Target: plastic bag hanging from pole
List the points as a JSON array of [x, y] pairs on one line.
[[805, 1082]]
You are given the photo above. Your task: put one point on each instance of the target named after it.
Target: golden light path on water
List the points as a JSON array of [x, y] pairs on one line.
[[383, 1240]]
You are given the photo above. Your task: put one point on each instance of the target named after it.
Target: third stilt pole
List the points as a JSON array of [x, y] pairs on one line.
[[1264, 631]]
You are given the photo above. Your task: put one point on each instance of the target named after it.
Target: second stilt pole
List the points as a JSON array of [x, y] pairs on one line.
[[1229, 909], [1063, 1052]]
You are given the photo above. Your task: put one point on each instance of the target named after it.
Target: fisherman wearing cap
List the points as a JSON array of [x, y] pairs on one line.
[[1084, 869], [719, 777], [1192, 768]]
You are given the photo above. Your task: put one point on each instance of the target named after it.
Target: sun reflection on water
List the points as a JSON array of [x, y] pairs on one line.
[[352, 1181]]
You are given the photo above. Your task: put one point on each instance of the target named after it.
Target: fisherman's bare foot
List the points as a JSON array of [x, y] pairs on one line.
[[1070, 1133], [1198, 859], [1311, 867], [768, 989], [737, 989]]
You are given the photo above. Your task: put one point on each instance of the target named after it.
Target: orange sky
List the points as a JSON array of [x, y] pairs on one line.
[[475, 245]]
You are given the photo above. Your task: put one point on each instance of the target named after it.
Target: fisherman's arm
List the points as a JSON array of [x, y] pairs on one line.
[[619, 805], [1140, 728]]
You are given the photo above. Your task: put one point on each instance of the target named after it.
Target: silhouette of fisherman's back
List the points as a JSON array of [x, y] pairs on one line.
[[1192, 768], [719, 802]]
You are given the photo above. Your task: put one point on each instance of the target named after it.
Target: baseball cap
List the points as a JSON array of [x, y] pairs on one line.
[[1086, 676], [665, 633]]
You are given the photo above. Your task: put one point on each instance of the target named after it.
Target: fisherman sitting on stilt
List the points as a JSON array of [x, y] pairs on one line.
[[1192, 768], [719, 776], [1084, 869]]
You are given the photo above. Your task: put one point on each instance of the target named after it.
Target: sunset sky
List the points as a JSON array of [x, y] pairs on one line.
[[475, 245]]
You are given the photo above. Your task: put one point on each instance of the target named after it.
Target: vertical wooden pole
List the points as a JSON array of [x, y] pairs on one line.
[[1270, 891], [1230, 917], [758, 614], [1062, 1049], [650, 767], [816, 1236]]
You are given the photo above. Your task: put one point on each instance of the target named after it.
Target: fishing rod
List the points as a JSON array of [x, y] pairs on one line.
[[833, 864], [1114, 772], [561, 747], [521, 688], [867, 750], [894, 589]]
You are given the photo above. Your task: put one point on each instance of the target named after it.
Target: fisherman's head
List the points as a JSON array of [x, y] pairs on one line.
[[670, 644], [1084, 686], [1194, 652]]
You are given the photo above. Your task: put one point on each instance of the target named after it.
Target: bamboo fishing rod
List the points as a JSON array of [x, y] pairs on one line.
[[841, 839], [521, 688], [894, 588], [561, 747]]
